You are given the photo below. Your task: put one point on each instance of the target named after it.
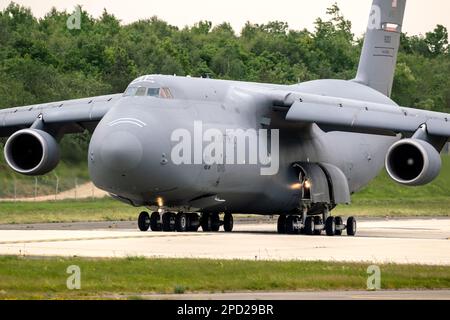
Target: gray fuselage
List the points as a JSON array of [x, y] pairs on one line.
[[129, 154]]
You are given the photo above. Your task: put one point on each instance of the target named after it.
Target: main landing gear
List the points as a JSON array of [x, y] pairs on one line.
[[314, 225], [184, 222]]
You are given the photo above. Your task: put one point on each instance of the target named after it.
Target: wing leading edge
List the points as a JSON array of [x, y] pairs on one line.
[[70, 116], [367, 120], [339, 114]]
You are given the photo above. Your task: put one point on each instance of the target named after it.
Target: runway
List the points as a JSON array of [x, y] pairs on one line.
[[311, 295], [379, 241]]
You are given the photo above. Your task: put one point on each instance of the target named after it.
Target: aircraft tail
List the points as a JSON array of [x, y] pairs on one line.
[[379, 55]]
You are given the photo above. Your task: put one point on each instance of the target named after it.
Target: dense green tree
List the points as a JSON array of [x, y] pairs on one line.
[[42, 60]]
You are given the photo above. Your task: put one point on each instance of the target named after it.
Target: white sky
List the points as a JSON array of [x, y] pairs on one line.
[[421, 15]]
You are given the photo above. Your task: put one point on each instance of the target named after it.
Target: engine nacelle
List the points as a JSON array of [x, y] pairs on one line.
[[32, 152], [413, 162]]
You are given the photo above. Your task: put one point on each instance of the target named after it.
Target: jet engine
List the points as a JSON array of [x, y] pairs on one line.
[[413, 162], [32, 152]]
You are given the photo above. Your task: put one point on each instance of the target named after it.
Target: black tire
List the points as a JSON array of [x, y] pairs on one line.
[[228, 222], [291, 222], [351, 226], [144, 221], [168, 220], [309, 226], [155, 222], [281, 224], [193, 222], [330, 226], [205, 222], [317, 221], [215, 222], [339, 222], [181, 222]]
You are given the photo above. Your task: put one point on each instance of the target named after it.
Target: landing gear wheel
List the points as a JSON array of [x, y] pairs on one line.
[[215, 222], [339, 222], [309, 226], [155, 222], [351, 226], [228, 222], [168, 219], [330, 226], [193, 222], [281, 225], [144, 221], [291, 225], [317, 222], [181, 222], [205, 222], [210, 222]]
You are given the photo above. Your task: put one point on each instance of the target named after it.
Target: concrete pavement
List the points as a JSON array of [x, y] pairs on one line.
[[406, 241]]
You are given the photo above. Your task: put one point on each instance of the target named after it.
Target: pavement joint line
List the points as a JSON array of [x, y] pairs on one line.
[[97, 238]]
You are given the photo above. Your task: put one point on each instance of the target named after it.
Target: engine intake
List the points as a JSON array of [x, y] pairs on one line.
[[32, 152], [413, 162]]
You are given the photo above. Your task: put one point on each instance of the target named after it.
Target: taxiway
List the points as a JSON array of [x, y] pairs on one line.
[[403, 241]]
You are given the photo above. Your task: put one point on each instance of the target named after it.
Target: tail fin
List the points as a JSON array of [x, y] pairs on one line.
[[379, 55]]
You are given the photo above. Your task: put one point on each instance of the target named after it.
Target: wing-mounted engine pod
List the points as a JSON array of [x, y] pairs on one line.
[[413, 162], [32, 152]]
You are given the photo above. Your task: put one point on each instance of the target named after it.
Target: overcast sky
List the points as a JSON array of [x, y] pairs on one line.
[[421, 15]]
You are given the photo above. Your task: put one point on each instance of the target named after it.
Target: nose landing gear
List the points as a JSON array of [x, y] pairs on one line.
[[144, 221], [184, 222], [181, 222]]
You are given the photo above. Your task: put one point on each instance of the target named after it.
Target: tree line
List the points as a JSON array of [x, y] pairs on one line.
[[42, 60]]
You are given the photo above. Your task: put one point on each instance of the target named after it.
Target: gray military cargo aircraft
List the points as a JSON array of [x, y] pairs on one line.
[[328, 139]]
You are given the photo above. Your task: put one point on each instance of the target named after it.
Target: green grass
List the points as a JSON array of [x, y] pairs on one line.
[[66, 211], [68, 174], [39, 278], [433, 207]]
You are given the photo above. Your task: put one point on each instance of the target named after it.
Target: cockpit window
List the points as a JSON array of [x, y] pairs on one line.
[[163, 93], [131, 91], [153, 92], [140, 92]]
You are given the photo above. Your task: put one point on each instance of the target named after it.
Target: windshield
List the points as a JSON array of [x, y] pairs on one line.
[[141, 91]]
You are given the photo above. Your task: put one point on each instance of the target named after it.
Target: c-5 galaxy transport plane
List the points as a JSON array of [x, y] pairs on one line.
[[190, 148]]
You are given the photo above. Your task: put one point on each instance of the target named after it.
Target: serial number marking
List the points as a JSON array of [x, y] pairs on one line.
[[247, 309]]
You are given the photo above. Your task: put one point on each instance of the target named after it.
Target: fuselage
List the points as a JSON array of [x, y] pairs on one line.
[[131, 150]]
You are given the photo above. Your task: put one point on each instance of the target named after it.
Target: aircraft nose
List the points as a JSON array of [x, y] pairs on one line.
[[121, 151]]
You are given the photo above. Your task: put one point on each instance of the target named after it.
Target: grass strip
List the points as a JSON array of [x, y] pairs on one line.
[[45, 278]]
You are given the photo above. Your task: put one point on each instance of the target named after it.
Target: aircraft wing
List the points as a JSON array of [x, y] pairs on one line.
[[70, 116], [337, 114]]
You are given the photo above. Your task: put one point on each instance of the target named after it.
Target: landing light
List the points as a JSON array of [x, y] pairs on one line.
[[307, 184]]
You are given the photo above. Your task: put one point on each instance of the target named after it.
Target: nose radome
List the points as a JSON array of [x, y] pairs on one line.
[[121, 151]]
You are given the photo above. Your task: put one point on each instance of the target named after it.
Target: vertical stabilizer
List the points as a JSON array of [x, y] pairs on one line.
[[379, 55]]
